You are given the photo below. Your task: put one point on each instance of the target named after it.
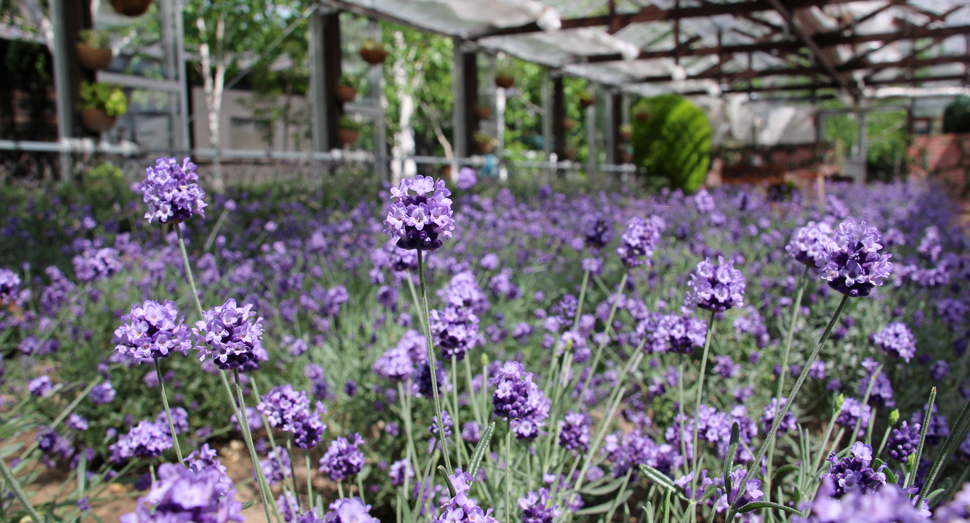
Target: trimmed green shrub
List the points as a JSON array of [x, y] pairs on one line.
[[673, 142]]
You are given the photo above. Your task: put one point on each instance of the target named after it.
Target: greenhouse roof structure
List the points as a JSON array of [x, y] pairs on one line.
[[801, 47]]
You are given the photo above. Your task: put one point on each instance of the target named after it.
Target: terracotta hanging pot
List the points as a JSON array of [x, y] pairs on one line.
[[93, 58], [642, 116], [347, 137], [504, 82], [485, 147], [345, 93], [373, 56], [96, 120], [586, 102], [131, 7], [626, 157], [626, 135], [483, 113], [569, 153], [568, 125]]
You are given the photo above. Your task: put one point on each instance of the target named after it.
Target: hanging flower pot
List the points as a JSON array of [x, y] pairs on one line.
[[97, 120], [586, 99], [568, 124], [641, 116], [483, 112], [570, 153], [504, 81], [626, 131], [484, 142], [345, 93], [373, 52], [348, 130], [626, 157], [131, 7], [93, 58]]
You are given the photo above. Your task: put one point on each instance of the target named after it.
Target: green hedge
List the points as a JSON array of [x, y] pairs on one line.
[[674, 142]]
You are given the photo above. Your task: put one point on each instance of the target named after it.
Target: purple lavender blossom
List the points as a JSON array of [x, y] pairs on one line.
[[726, 367], [462, 508], [640, 240], [536, 507], [518, 399], [903, 441], [9, 288], [811, 244], [102, 393], [896, 340], [286, 408], [937, 430], [400, 471], [730, 499], [95, 263], [789, 422], [930, 245], [417, 221], [703, 201], [172, 191], [574, 432], [466, 178], [854, 266], [679, 334], [40, 386], [180, 419], [715, 288], [853, 473], [471, 432], [886, 504], [597, 231], [446, 421], [76, 422], [881, 394], [153, 330], [275, 470], [146, 440], [957, 510], [454, 330], [852, 411], [395, 364], [349, 510], [188, 494], [939, 370], [343, 458], [232, 339]]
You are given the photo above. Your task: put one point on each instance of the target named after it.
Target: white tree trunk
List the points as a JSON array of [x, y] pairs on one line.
[[213, 83], [404, 137]]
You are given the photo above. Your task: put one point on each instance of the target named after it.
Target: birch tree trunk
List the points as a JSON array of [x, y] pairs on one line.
[[404, 137], [213, 83]]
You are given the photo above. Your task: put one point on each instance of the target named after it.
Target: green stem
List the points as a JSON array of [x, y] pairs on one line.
[[454, 412], [18, 492], [309, 484], [188, 270], [168, 411], [582, 297], [783, 409], [431, 364], [796, 307], [922, 439], [606, 334], [508, 471], [264, 491], [700, 396]]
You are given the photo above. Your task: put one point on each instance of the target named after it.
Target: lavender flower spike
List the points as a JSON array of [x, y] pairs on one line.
[[854, 266], [640, 240], [232, 339], [716, 288], [153, 330], [172, 191], [200, 495], [420, 221], [811, 243]]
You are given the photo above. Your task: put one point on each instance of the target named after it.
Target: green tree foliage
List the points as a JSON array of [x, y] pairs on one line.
[[674, 142], [956, 116]]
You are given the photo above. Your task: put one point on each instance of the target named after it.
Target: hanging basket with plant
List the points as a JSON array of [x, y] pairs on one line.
[[373, 52], [101, 105], [586, 99], [569, 124], [131, 7], [504, 78], [346, 89], [93, 50], [484, 142], [641, 116], [348, 130], [483, 112], [626, 131]]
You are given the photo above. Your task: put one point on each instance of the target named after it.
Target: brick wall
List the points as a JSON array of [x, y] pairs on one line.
[[944, 159]]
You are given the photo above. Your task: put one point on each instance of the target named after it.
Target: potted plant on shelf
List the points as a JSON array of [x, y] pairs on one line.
[[586, 99], [626, 153], [131, 7], [626, 131], [504, 78], [483, 112], [101, 105], [569, 124], [348, 130], [93, 50], [373, 52], [346, 89], [484, 142]]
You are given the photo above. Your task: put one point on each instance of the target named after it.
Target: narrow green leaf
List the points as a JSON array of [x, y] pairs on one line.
[[605, 507], [480, 450], [604, 489], [648, 511], [248, 504], [657, 477], [444, 474], [891, 476], [767, 504], [785, 470]]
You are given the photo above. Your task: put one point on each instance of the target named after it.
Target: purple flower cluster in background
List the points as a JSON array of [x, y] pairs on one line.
[[640, 240], [518, 399], [348, 510], [232, 338], [466, 178], [811, 244], [597, 231], [461, 508], [574, 432], [172, 191], [153, 330], [454, 330], [146, 440], [676, 333], [715, 288], [536, 508], [420, 221], [854, 266], [290, 410], [853, 473], [199, 495], [896, 340], [343, 458]]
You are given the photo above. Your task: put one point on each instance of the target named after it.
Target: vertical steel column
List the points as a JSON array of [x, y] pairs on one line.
[[375, 76], [863, 150], [591, 137], [558, 117], [324, 73], [613, 118], [184, 133], [169, 43], [459, 113], [547, 137], [62, 86]]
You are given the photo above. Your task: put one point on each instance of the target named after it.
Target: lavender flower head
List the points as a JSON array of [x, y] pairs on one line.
[[810, 244], [536, 508], [897, 340], [146, 440], [232, 339], [597, 231], [445, 420], [9, 286], [788, 423], [455, 330], [716, 288], [640, 240], [726, 500], [518, 398], [349, 510], [462, 508], [395, 364], [887, 504], [343, 459], [420, 221], [96, 263], [102, 393], [677, 333], [853, 472], [40, 386], [153, 330], [957, 510], [852, 412], [400, 470], [290, 410], [855, 266], [703, 201], [574, 432], [172, 191], [466, 178], [276, 466], [903, 441], [188, 494]]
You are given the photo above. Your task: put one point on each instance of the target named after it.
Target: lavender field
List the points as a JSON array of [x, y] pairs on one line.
[[471, 352]]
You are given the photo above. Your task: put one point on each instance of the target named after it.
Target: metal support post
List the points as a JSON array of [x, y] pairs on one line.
[[591, 139], [62, 86], [375, 76]]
